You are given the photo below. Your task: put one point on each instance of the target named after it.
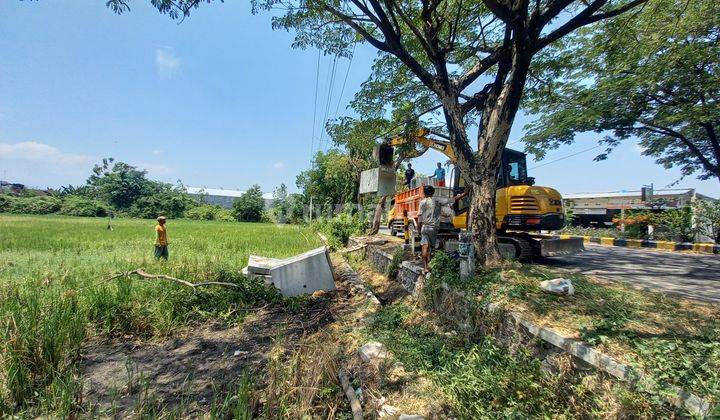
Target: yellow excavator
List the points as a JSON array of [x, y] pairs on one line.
[[521, 207]]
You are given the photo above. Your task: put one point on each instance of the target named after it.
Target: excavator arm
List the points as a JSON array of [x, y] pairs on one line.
[[421, 137]]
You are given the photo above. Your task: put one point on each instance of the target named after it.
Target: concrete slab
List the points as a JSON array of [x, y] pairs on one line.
[[304, 273], [262, 265], [264, 277]]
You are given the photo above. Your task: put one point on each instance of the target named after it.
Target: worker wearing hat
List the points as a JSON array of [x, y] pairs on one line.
[[161, 243]]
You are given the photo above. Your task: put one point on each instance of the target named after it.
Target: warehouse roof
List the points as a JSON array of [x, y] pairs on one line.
[[633, 193], [220, 192]]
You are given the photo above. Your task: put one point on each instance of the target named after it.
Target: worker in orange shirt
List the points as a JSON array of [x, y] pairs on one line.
[[161, 242]]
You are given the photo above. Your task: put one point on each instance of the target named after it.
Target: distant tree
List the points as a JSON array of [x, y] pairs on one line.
[[280, 204], [296, 208], [249, 207], [120, 184], [654, 75], [332, 180]]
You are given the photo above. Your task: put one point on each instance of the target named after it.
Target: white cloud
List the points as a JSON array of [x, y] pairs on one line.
[[32, 151], [156, 152], [166, 62], [638, 148], [279, 164], [155, 169]]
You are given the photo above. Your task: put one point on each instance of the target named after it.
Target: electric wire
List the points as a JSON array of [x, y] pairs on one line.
[[567, 156], [342, 90], [328, 101], [317, 80]]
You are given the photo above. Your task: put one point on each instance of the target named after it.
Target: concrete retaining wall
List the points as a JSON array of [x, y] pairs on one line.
[[380, 258]]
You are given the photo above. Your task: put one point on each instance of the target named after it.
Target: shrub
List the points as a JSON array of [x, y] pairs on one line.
[[209, 212], [340, 228], [5, 202], [249, 207], [674, 225], [392, 269], [225, 215], [636, 224], [35, 205], [169, 202], [202, 212], [81, 206], [708, 218]]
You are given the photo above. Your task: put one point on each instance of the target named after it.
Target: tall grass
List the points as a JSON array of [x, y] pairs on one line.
[[53, 292]]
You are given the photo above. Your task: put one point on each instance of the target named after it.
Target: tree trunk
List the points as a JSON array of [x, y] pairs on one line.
[[481, 221], [375, 228]]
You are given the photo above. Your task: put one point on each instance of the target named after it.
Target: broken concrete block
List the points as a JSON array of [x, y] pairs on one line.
[[262, 265], [558, 287], [263, 277], [304, 273], [372, 350]]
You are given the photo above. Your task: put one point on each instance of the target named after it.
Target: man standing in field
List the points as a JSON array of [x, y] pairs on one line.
[[161, 242], [431, 209]]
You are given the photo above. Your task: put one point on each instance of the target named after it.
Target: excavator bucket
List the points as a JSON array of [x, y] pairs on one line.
[[555, 247]]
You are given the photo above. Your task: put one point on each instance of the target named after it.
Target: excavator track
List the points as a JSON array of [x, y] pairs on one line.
[[517, 247]]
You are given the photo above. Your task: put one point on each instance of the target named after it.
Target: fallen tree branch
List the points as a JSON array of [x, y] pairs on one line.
[[350, 393], [142, 274]]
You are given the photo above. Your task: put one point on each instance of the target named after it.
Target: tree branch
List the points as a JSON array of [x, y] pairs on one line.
[[585, 17], [141, 273]]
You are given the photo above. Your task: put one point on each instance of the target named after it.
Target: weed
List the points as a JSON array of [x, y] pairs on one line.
[[239, 403], [391, 271], [676, 341], [53, 294], [483, 380], [301, 384]]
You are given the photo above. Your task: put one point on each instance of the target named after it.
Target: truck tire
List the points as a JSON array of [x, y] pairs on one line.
[[391, 226]]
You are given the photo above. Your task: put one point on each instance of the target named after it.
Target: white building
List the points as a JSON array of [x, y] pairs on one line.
[[221, 197], [600, 208]]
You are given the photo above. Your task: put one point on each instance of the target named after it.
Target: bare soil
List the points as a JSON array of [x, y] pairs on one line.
[[123, 378]]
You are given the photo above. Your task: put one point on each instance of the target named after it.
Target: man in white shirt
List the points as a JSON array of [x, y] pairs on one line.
[[431, 211]]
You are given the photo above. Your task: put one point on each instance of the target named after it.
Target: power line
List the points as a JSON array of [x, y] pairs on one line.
[[328, 101], [317, 80], [565, 157], [347, 72]]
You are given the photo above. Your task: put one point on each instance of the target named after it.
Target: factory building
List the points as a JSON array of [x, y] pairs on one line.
[[598, 209], [221, 197]]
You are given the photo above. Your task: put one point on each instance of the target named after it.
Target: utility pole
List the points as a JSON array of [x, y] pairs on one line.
[[311, 208]]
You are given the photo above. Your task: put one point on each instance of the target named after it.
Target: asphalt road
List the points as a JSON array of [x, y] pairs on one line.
[[694, 276]]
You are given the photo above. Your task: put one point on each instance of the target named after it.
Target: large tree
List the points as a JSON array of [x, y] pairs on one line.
[[652, 75], [472, 55]]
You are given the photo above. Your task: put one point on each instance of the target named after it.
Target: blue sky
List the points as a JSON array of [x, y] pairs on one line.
[[220, 100]]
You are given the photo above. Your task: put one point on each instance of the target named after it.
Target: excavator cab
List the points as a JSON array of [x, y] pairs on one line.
[[512, 171]]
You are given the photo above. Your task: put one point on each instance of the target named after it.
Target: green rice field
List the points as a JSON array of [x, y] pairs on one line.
[[55, 293]]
